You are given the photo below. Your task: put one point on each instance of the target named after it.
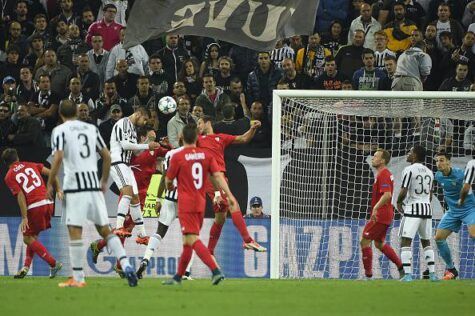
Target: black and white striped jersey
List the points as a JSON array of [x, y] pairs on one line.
[[469, 172], [277, 55], [123, 131], [79, 142], [171, 195], [379, 57], [418, 180]]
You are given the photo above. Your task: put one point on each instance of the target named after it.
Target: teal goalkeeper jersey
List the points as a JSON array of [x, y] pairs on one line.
[[452, 184]]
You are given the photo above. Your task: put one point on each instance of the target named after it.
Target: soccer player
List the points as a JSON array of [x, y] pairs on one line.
[[216, 144], [144, 165], [75, 143], [381, 215], [414, 202], [461, 206], [123, 144], [191, 167], [25, 182]]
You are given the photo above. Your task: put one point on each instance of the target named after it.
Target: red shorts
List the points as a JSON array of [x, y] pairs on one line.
[[190, 222], [224, 205], [39, 219], [375, 231]]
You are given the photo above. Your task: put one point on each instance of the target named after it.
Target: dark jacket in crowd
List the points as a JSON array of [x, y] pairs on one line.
[[260, 85], [28, 133]]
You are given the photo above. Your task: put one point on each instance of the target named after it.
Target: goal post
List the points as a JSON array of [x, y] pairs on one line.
[[322, 142]]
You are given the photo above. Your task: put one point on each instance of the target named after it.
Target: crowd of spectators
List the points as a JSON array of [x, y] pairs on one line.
[[73, 49]]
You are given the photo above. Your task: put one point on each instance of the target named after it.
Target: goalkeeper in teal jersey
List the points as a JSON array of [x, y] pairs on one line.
[[461, 207]]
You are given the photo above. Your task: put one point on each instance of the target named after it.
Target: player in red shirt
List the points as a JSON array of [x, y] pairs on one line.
[[216, 144], [25, 182], [382, 215], [144, 165], [191, 167]]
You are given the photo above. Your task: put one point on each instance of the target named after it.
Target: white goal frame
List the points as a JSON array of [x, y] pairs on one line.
[[276, 143]]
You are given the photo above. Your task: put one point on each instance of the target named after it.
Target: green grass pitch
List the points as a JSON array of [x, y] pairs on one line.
[[243, 297]]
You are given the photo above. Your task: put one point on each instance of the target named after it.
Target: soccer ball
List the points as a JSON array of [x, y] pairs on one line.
[[167, 105]]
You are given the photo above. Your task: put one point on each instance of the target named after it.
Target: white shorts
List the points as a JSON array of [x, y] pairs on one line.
[[82, 206], [168, 212], [123, 176], [412, 225]]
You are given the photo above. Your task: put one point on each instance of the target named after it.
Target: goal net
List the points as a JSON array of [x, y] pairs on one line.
[[323, 142]]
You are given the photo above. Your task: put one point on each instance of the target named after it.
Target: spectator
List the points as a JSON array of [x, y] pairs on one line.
[[28, 131], [330, 10], [107, 28], [348, 58], [159, 80], [125, 82], [26, 87], [281, 51], [77, 96], [446, 41], [6, 124], [98, 58], [198, 111], [136, 57], [83, 113], [455, 6], [21, 16], [36, 51], [121, 16], [62, 36], [179, 90], [44, 105], [11, 66], [334, 39], [59, 74], [225, 73], [296, 43], [414, 11], [413, 66], [368, 77], [346, 85], [9, 96], [189, 75], [399, 31], [445, 24], [245, 61], [41, 28], [262, 80], [462, 54], [212, 99], [459, 82], [310, 60], [390, 64], [381, 50], [69, 52], [67, 14], [87, 18], [292, 78], [256, 209], [108, 98], [145, 96], [238, 98], [105, 128], [176, 123], [469, 14], [434, 79], [263, 136], [17, 39], [172, 57], [90, 80], [230, 125], [331, 79], [211, 63], [366, 23]]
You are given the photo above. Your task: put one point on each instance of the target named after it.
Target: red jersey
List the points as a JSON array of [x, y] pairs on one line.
[[384, 183], [26, 177], [216, 144], [191, 167], [144, 166]]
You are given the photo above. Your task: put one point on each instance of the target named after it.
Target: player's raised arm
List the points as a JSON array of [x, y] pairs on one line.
[[247, 136]]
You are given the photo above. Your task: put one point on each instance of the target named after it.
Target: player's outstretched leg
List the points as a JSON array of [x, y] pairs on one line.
[[153, 244], [136, 214], [38, 248], [389, 252], [240, 224], [205, 256]]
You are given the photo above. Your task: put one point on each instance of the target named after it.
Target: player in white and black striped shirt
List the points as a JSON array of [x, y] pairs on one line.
[[381, 50], [281, 52], [468, 180], [123, 144], [414, 201]]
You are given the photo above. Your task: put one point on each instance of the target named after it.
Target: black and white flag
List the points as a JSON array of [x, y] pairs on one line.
[[256, 24]]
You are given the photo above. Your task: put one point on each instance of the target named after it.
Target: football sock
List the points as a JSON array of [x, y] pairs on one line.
[[214, 234], [122, 210], [367, 261], [204, 254], [101, 244], [117, 250], [240, 224], [77, 254], [188, 268], [136, 214], [153, 243], [444, 252], [389, 252], [406, 256], [42, 252], [429, 258], [184, 259], [29, 256]]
